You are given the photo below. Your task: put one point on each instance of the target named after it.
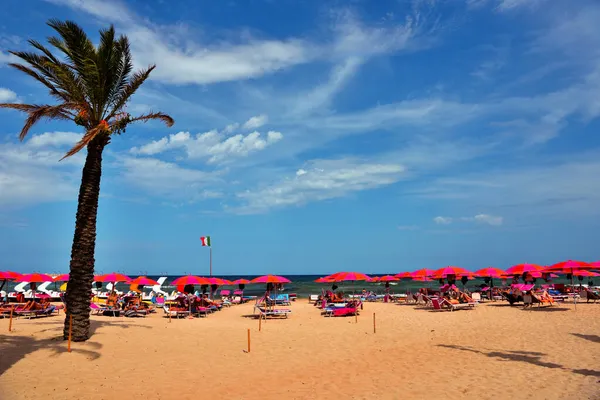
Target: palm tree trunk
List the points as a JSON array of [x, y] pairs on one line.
[[81, 275]]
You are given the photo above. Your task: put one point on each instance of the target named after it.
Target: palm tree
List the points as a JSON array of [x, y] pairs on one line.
[[91, 86]]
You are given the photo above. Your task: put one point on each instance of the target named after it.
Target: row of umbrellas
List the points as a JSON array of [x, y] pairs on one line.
[[142, 280], [575, 268]]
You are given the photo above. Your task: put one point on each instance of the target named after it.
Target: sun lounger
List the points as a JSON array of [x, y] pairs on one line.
[[442, 304], [175, 313], [272, 312]]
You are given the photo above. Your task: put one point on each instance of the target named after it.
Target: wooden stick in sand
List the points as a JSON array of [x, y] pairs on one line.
[[248, 340], [70, 330], [259, 322], [356, 317], [374, 326], [11, 317]]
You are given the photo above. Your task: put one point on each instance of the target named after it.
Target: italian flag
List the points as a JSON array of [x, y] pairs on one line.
[[205, 240]]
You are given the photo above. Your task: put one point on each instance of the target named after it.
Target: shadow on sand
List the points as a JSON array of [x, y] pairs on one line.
[[528, 357], [14, 347], [591, 338]]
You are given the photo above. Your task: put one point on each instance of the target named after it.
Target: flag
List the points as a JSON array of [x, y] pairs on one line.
[[205, 240]]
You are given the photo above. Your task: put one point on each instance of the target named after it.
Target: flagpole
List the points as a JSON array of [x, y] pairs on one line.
[[210, 251]]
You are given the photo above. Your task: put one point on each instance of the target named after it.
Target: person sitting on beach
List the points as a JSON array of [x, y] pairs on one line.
[[112, 301], [464, 298]]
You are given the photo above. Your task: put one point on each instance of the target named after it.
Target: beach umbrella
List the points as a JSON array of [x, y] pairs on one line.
[[568, 267], [112, 278], [324, 279], [348, 276], [143, 281], [241, 282], [373, 279], [61, 278], [9, 275], [190, 280], [585, 273], [520, 269], [404, 275], [422, 273], [450, 271], [34, 278], [270, 279], [6, 276], [490, 272]]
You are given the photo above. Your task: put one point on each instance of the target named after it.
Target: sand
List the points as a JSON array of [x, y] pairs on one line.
[[494, 351]]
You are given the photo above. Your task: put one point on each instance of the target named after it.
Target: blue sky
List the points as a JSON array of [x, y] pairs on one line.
[[317, 136]]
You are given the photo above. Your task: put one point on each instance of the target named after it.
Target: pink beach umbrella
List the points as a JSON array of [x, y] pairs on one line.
[[190, 280], [422, 273], [143, 281], [241, 282], [7, 276], [324, 279], [270, 279], [34, 278], [348, 276], [387, 278], [61, 278], [490, 272], [520, 269], [112, 278], [450, 270]]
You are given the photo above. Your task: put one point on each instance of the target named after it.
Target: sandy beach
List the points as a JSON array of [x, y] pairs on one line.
[[494, 351]]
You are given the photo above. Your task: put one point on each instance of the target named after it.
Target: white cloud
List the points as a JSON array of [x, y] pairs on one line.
[[169, 180], [30, 172], [407, 227], [201, 63], [564, 187], [505, 5], [256, 122], [54, 139], [479, 218], [6, 58], [320, 180], [214, 145], [443, 220], [7, 95]]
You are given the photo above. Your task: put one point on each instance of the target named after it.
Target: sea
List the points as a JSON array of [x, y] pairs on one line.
[[303, 285]]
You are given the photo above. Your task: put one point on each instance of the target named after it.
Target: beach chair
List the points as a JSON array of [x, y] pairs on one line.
[[282, 299], [476, 297], [272, 312], [175, 313], [313, 298]]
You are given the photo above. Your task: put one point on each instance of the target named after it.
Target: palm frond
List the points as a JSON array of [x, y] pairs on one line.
[[39, 112], [85, 140], [136, 80], [167, 119]]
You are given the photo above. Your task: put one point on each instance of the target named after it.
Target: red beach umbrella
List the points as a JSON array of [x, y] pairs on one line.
[[143, 281], [585, 273], [490, 272], [403, 275], [324, 279], [568, 267], [190, 280], [36, 278], [270, 279], [114, 277], [218, 281], [520, 269], [61, 278], [387, 278], [348, 276], [422, 273], [241, 282], [373, 279], [450, 270], [9, 275]]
